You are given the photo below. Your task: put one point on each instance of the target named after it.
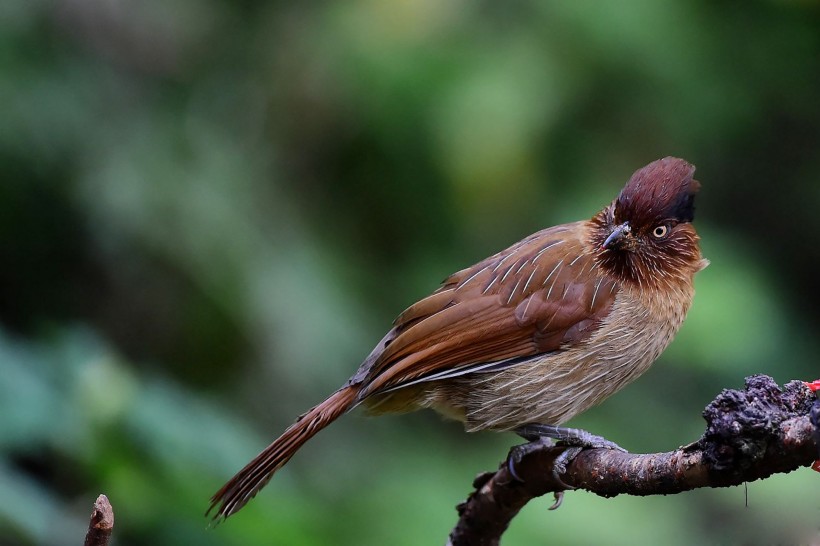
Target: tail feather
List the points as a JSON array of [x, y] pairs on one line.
[[257, 473]]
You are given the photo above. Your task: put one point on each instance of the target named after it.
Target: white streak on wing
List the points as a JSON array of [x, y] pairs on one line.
[[545, 249], [444, 374], [551, 272], [508, 271], [553, 282], [526, 284], [526, 308], [492, 282], [594, 294], [513, 291], [473, 276], [504, 259]]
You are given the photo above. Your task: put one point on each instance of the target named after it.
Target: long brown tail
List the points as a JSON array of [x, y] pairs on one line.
[[257, 473]]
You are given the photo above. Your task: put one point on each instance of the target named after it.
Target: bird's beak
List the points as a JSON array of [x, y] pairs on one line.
[[617, 236]]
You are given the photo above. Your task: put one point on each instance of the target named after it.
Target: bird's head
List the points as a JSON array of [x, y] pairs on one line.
[[646, 235]]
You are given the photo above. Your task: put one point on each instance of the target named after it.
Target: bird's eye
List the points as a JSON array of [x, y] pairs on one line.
[[660, 231]]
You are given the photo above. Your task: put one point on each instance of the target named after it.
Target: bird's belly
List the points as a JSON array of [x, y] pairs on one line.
[[554, 387]]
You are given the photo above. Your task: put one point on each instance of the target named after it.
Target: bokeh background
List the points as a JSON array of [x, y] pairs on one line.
[[210, 211]]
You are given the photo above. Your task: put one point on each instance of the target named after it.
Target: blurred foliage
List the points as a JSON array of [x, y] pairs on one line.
[[210, 211]]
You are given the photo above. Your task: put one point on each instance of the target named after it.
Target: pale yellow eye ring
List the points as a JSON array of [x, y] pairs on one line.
[[660, 231]]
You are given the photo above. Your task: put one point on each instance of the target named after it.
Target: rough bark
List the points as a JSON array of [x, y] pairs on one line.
[[750, 435]]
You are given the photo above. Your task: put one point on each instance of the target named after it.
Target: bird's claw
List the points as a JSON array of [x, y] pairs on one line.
[[559, 498], [520, 451], [559, 466]]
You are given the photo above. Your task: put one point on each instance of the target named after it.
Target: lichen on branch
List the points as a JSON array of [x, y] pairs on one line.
[[750, 435]]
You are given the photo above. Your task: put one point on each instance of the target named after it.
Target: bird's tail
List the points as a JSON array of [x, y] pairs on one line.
[[257, 473]]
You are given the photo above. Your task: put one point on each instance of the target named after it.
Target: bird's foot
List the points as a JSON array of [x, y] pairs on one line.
[[575, 440], [567, 436], [559, 466]]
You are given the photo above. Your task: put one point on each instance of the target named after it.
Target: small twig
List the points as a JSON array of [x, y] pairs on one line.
[[101, 524], [751, 434]]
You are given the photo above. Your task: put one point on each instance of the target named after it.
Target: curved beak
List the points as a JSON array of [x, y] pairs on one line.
[[617, 235]]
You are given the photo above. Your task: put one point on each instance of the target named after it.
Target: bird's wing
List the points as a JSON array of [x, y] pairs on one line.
[[544, 293]]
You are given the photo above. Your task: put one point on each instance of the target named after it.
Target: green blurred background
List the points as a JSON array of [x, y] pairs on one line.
[[210, 211]]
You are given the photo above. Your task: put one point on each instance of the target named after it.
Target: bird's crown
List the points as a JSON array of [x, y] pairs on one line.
[[662, 190]]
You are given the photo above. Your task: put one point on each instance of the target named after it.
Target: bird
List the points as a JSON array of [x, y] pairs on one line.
[[531, 336]]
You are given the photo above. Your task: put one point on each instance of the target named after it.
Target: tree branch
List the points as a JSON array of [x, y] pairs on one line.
[[750, 435], [101, 524]]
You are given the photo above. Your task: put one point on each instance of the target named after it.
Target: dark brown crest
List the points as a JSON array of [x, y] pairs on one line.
[[663, 190]]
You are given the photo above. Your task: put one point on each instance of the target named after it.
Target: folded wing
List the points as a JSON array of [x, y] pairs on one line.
[[540, 295]]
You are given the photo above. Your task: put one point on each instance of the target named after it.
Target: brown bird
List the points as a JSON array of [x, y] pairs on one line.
[[531, 336]]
